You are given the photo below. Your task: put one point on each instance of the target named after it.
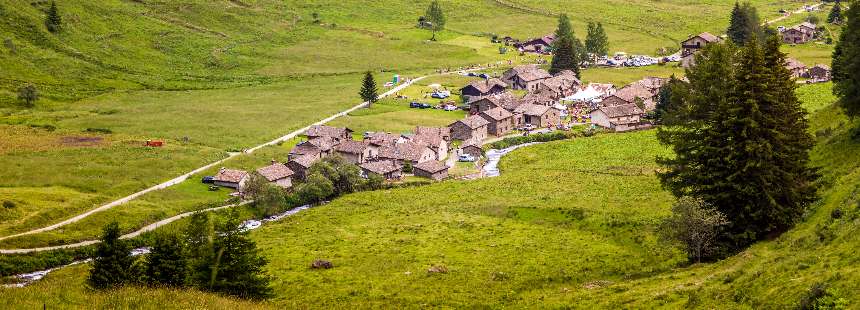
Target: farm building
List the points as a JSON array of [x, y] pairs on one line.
[[472, 127], [541, 45], [500, 121], [614, 100], [799, 34], [277, 173], [323, 131], [390, 170], [697, 42], [483, 88], [355, 152], [434, 169], [411, 152], [525, 77], [435, 142], [300, 165], [443, 132], [504, 100], [561, 85], [536, 115], [305, 149], [621, 118], [473, 149], [819, 73], [231, 178], [797, 68]]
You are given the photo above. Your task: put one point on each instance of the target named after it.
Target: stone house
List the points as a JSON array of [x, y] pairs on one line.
[[537, 115], [443, 132], [410, 152], [300, 165], [231, 178], [390, 170], [797, 68], [541, 45], [434, 170], [471, 128], [500, 121], [525, 77], [697, 42], [634, 92], [305, 148], [473, 149], [435, 142], [323, 131], [561, 85], [277, 173], [819, 73], [504, 100], [483, 88], [355, 152], [620, 118]]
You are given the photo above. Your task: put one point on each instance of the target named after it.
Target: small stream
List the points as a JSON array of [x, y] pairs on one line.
[[25, 279]]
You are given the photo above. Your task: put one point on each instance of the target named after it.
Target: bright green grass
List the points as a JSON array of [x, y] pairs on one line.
[[395, 116]]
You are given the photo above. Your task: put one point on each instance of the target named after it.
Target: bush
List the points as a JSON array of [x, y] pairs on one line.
[[99, 130], [9, 204], [835, 214], [543, 137], [696, 225], [822, 296]]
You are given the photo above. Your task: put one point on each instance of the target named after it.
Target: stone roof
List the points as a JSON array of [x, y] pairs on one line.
[[532, 109], [305, 161], [630, 92], [327, 131], [564, 79], [305, 148], [496, 114], [486, 86], [410, 151], [539, 97], [505, 100], [621, 110], [324, 143], [534, 75], [432, 166], [791, 64], [652, 83], [429, 139], [382, 138], [710, 38], [381, 167], [474, 122], [230, 175], [275, 171], [821, 66], [525, 72], [807, 25], [444, 132], [351, 147]]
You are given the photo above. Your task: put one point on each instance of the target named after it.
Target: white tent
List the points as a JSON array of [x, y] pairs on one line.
[[587, 94]]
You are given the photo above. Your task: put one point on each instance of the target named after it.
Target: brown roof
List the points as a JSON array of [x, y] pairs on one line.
[[707, 37], [791, 64], [381, 167], [445, 132], [539, 97], [327, 131], [474, 122], [534, 75], [351, 147], [305, 148], [410, 151], [230, 175], [432, 166], [614, 100], [430, 139], [496, 114], [807, 25], [305, 161], [563, 80], [486, 86], [653, 83], [275, 172], [630, 92], [532, 109], [324, 143], [505, 100], [621, 110], [382, 138]]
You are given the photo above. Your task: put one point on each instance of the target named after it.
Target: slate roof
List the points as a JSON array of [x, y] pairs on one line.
[[653, 83], [539, 97], [534, 75], [474, 122], [432, 166], [410, 151], [486, 86], [496, 114], [505, 100], [821, 66], [621, 110], [324, 143], [305, 161], [327, 131], [381, 167], [428, 138], [275, 172], [791, 64], [305, 148], [351, 147], [710, 38], [565, 79], [230, 175], [630, 92], [532, 109], [444, 132], [382, 138]]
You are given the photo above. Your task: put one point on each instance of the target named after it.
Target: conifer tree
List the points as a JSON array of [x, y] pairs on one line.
[[28, 94], [53, 21], [567, 50], [166, 264], [835, 15], [436, 18], [846, 63], [744, 24], [232, 264], [112, 264], [596, 40], [368, 91]]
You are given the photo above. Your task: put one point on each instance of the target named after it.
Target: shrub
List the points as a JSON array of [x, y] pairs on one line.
[[836, 214], [99, 130], [544, 137], [9, 204], [696, 225], [822, 296]]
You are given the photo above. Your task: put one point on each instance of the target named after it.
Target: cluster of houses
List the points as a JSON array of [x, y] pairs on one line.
[[799, 34], [815, 74], [383, 154]]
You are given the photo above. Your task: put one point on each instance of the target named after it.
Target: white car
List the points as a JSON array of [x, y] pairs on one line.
[[466, 157], [450, 107]]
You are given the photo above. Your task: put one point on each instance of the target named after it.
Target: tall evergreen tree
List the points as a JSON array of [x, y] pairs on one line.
[[28, 94], [744, 24], [368, 91], [53, 21], [567, 50], [231, 264], [835, 15], [166, 264], [112, 264], [436, 18], [846, 63], [596, 42]]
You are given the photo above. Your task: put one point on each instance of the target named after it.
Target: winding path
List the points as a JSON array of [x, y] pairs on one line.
[[184, 177]]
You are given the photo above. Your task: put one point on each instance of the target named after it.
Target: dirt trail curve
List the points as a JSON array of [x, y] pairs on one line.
[[798, 11], [184, 177]]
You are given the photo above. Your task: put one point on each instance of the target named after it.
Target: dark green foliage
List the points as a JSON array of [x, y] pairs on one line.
[[268, 198], [112, 264], [835, 15], [743, 151], [28, 95], [368, 91], [22, 263], [543, 137], [436, 18], [345, 177], [230, 263], [696, 226], [7, 204], [166, 264], [666, 103], [597, 42], [821, 296], [846, 63], [316, 188], [567, 50], [744, 24], [53, 21]]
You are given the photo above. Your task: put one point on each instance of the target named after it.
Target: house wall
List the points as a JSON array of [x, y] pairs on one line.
[[792, 36], [441, 175], [460, 131], [352, 158], [476, 152], [600, 119], [300, 172], [226, 184], [481, 106], [284, 183], [692, 45]]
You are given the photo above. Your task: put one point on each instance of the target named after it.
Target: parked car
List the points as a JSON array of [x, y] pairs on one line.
[[484, 76], [425, 106], [473, 74], [466, 158], [414, 104], [449, 107], [208, 180], [440, 94], [526, 127]]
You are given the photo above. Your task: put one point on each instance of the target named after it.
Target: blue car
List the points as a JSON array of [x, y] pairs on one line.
[[414, 104], [208, 180], [484, 76]]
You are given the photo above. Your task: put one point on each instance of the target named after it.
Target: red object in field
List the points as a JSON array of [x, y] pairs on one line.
[[154, 143]]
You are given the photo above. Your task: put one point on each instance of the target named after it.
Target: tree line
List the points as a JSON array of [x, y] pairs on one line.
[[569, 53]]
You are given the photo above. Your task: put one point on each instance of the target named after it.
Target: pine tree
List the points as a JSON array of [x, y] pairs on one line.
[[368, 91], [232, 264], [112, 264], [744, 24], [835, 15], [52, 20], [166, 264], [436, 18], [846, 63], [601, 42], [567, 49], [667, 102]]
